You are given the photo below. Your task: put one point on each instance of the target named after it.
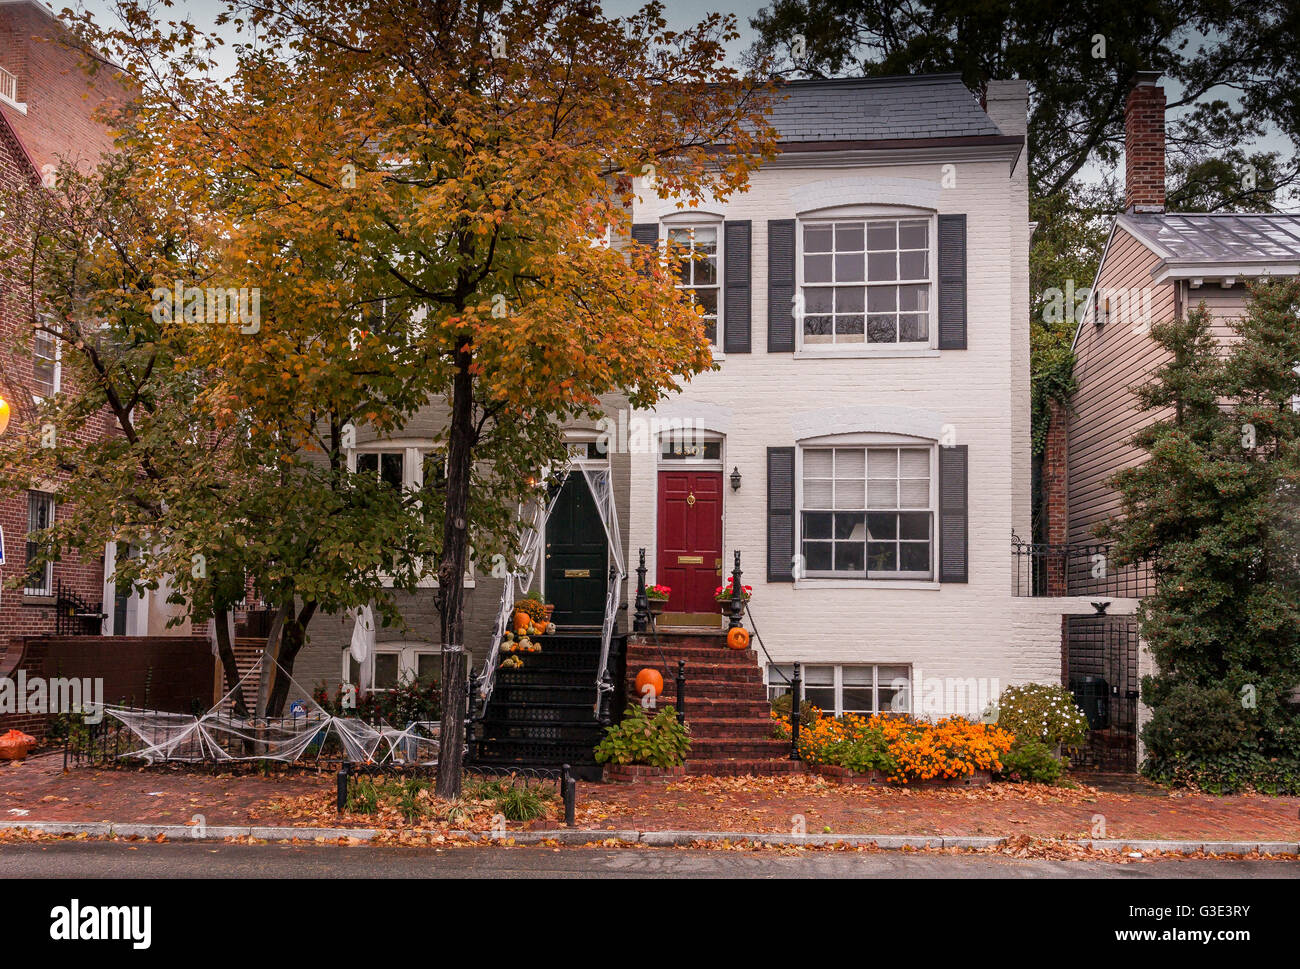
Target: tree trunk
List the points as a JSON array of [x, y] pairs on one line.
[[451, 572], [292, 639], [226, 650]]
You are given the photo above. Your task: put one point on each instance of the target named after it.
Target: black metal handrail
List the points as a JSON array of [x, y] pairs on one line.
[[1054, 570]]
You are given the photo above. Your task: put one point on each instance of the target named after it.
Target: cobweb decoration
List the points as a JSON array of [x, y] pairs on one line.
[[219, 735]]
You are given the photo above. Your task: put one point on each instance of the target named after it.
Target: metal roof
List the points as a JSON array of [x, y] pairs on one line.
[[1189, 238], [907, 107]]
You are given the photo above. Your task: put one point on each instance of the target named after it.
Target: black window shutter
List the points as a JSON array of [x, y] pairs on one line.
[[954, 513], [780, 286], [952, 282], [736, 300], [646, 233], [780, 514]]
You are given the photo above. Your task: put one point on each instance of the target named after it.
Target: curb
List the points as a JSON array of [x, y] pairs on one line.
[[652, 839]]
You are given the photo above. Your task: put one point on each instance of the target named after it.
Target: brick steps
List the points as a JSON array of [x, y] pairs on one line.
[[726, 703]]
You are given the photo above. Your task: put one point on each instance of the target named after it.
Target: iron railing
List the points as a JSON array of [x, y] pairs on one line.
[[1077, 570]]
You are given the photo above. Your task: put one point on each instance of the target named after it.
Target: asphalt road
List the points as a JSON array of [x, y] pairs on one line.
[[147, 860]]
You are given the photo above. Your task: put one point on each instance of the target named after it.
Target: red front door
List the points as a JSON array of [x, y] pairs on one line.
[[690, 541]]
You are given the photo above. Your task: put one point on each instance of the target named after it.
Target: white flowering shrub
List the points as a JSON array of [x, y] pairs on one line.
[[1047, 713]]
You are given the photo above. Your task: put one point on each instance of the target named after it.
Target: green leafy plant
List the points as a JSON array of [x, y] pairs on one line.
[[363, 796], [515, 800], [1031, 760], [639, 739]]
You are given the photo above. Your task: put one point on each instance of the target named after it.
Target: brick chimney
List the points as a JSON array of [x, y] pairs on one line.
[[1144, 145]]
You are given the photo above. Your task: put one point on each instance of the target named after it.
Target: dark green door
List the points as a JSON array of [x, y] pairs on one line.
[[577, 557]]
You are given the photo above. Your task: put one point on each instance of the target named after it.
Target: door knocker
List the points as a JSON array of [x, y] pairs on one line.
[[690, 498]]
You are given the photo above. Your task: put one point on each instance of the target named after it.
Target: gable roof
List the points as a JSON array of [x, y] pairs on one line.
[[880, 109]]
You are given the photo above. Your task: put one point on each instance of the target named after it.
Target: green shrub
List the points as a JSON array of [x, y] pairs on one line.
[[1032, 761], [638, 739], [514, 801], [1036, 711], [363, 796]]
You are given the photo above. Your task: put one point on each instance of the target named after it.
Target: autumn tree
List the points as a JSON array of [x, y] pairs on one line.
[[462, 165]]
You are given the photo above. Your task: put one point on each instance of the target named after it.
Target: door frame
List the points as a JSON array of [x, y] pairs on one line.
[[576, 464], [719, 465]]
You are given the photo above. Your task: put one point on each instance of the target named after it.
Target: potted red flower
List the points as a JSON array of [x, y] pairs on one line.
[[657, 597], [722, 595]]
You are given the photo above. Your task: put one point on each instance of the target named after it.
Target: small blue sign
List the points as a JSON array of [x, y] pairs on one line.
[[297, 709]]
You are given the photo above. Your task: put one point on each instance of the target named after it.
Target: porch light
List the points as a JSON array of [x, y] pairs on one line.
[[735, 478], [4, 415]]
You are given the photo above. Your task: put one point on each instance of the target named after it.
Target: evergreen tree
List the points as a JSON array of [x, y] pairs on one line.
[[1214, 510]]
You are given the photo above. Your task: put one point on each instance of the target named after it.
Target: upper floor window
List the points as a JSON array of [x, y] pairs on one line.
[[697, 246], [46, 367], [866, 281], [867, 512]]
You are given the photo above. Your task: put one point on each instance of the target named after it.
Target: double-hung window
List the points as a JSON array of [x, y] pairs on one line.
[[697, 247], [867, 512], [40, 516], [46, 366], [866, 281]]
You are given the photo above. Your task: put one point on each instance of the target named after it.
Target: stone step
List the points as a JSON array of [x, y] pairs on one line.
[[692, 654]]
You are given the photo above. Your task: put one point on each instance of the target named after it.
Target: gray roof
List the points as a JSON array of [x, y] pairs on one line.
[[879, 109], [1188, 238]]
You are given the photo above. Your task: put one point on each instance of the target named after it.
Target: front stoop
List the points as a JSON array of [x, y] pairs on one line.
[[726, 702]]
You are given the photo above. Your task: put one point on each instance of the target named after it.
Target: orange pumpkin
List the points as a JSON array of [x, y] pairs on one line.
[[652, 678], [738, 638], [522, 622]]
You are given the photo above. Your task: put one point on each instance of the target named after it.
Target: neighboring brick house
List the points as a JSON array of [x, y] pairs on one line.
[[864, 444], [47, 116]]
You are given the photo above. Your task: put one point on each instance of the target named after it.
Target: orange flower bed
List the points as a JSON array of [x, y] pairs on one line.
[[903, 749]]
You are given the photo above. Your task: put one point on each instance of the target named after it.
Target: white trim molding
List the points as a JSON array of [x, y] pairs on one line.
[[880, 419], [866, 190]]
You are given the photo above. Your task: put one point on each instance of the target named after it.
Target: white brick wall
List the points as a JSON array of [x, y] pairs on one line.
[[972, 630]]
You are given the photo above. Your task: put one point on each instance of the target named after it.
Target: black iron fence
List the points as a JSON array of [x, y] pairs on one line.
[[1077, 570]]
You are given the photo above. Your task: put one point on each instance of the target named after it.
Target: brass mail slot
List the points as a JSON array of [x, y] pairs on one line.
[[690, 560], [577, 573]]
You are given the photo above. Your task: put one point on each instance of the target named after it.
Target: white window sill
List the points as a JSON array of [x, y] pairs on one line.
[[866, 584], [855, 352], [19, 106]]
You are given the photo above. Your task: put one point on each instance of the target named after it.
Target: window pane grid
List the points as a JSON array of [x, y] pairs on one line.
[[860, 689], [866, 512], [866, 281], [698, 248]]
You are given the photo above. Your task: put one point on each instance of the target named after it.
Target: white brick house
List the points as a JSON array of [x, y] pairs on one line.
[[871, 298], [874, 548]]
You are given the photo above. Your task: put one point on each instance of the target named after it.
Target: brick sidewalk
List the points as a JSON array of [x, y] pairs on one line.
[[172, 796]]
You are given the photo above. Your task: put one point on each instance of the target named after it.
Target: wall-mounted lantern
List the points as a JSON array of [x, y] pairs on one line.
[[735, 478]]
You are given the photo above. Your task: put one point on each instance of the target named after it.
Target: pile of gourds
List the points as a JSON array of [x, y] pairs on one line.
[[530, 622]]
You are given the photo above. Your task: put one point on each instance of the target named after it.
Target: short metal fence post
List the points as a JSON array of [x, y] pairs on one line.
[[569, 791], [343, 787], [796, 714], [681, 691]]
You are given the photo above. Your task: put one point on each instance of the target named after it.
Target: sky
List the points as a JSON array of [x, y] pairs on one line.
[[679, 13]]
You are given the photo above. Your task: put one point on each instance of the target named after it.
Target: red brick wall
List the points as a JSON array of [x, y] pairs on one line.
[[172, 673], [1144, 146], [61, 102], [1056, 492]]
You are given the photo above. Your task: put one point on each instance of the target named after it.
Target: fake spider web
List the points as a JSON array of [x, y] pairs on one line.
[[222, 736]]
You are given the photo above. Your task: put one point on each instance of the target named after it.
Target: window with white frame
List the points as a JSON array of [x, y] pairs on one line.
[[867, 512], [387, 466], [397, 664], [697, 246], [40, 515], [840, 688], [866, 281], [46, 366]]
